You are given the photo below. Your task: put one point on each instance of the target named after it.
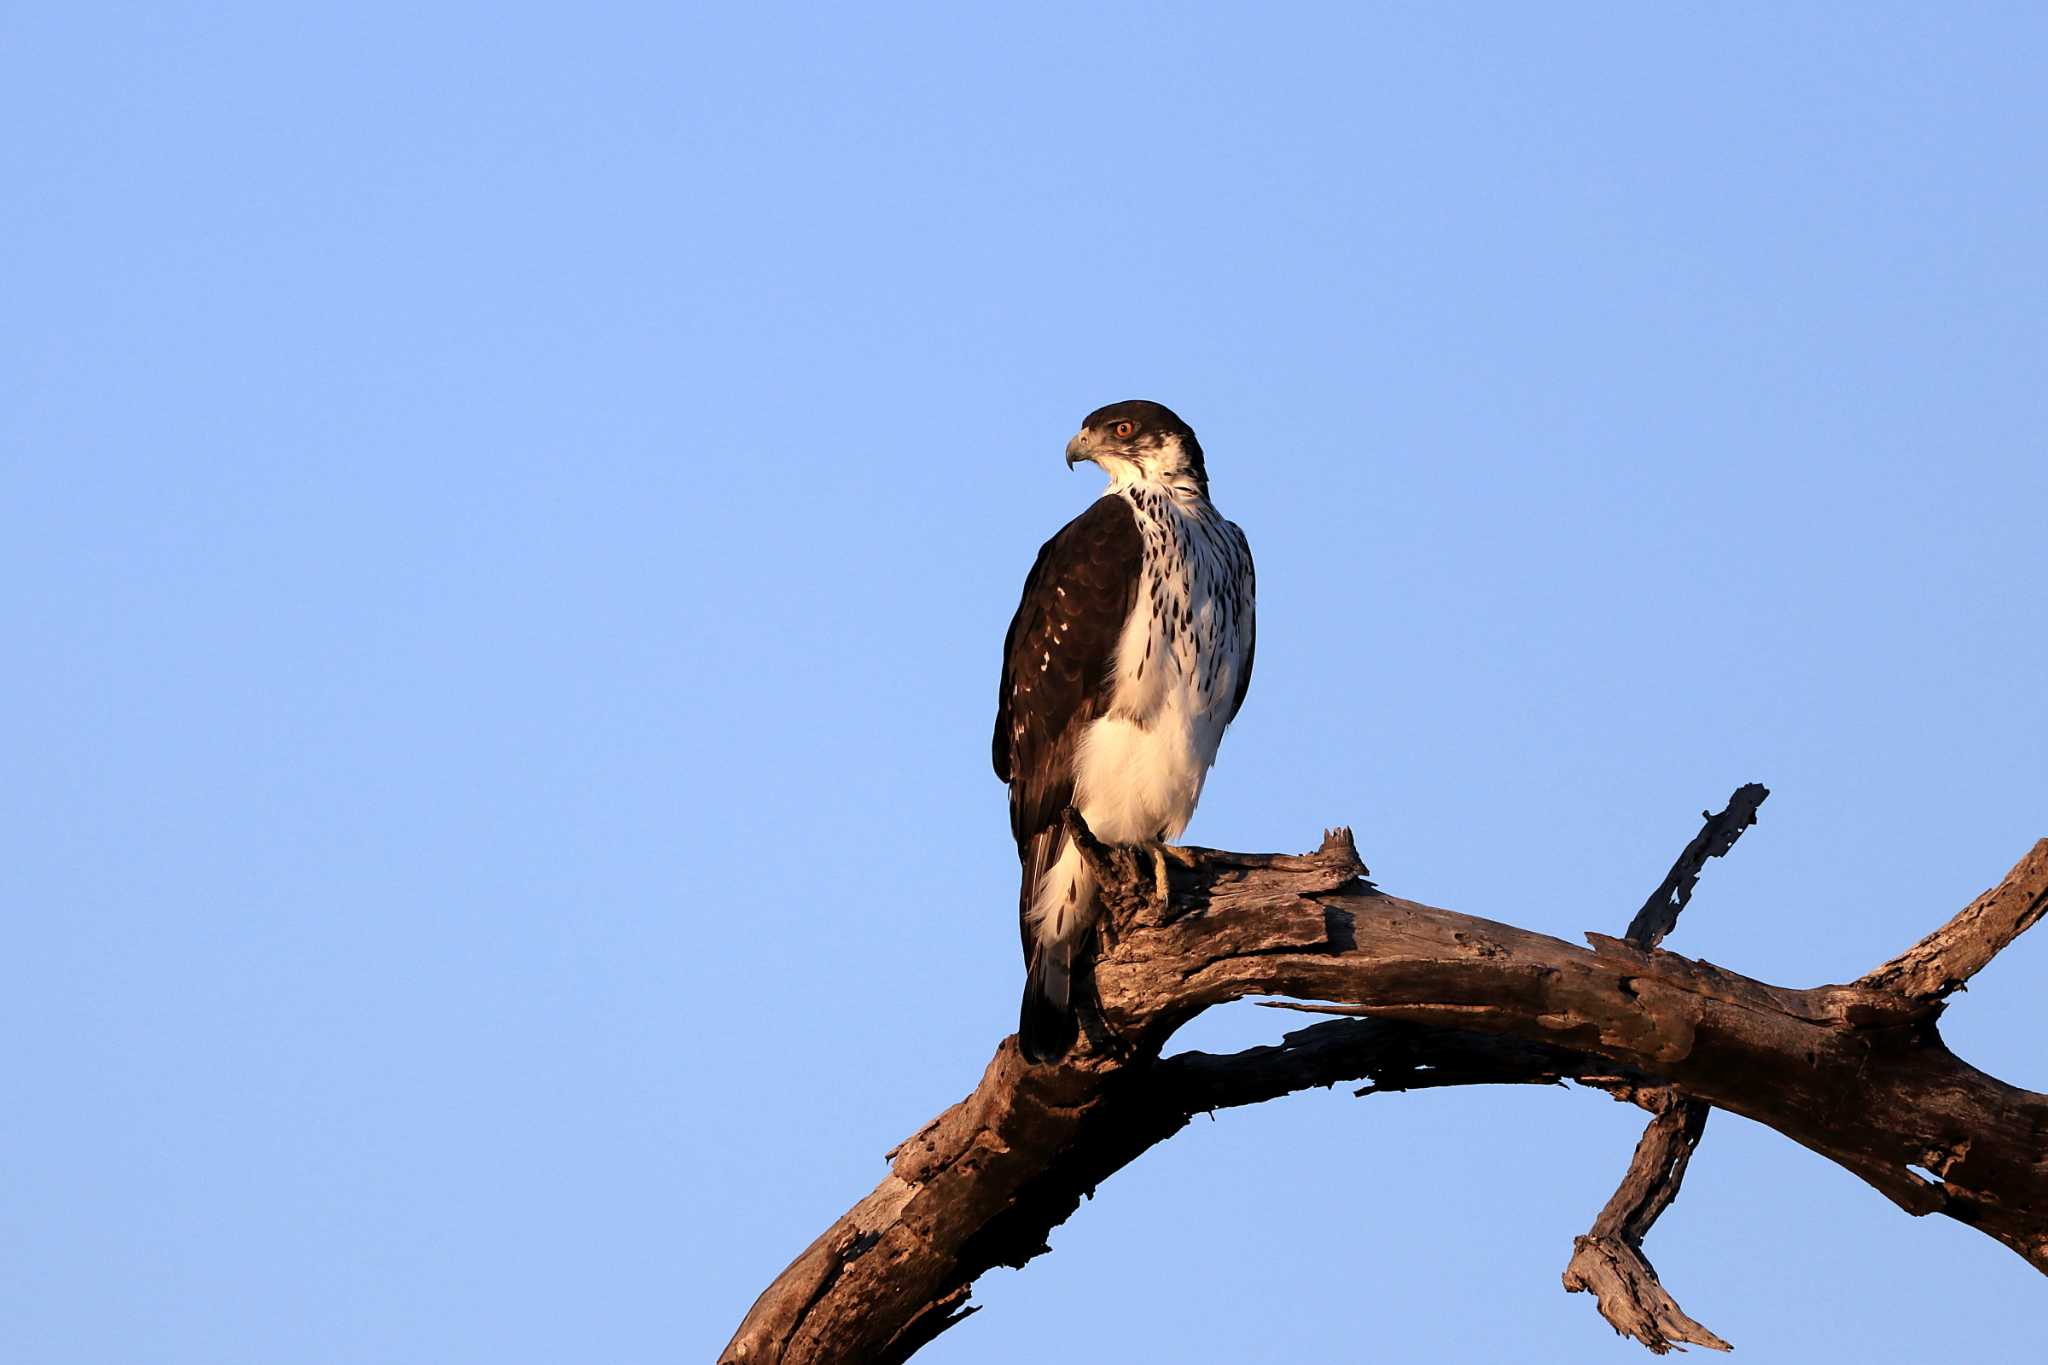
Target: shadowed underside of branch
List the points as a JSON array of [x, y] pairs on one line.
[[1857, 1073]]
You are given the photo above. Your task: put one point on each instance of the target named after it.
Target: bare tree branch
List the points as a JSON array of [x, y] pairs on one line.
[[1939, 964], [1856, 1073], [1659, 915], [1609, 1260]]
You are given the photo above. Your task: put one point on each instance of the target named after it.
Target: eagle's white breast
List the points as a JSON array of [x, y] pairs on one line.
[[1139, 769]]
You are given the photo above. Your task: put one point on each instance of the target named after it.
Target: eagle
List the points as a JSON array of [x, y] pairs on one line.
[[1130, 652]]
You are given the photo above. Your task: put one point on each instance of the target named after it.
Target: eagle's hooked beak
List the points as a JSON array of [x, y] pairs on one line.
[[1078, 449]]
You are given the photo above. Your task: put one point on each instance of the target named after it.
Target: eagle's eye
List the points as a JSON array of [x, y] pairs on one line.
[[1122, 430]]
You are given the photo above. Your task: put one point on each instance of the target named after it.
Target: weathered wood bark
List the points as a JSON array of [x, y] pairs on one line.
[[1857, 1073]]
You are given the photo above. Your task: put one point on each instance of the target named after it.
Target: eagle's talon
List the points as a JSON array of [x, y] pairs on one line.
[[1104, 1039], [1159, 852]]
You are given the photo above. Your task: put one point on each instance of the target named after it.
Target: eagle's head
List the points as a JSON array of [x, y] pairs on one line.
[[1139, 441]]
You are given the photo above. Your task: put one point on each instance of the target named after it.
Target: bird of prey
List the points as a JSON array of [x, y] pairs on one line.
[[1130, 652]]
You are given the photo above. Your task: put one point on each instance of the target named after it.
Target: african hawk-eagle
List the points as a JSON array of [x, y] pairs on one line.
[[1129, 654]]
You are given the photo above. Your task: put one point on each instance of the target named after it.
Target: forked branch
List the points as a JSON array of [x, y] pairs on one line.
[[1609, 1262]]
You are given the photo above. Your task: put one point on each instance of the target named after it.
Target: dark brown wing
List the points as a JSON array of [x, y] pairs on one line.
[[1059, 661], [1248, 617]]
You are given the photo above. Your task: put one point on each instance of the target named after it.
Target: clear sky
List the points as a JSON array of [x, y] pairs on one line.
[[510, 519]]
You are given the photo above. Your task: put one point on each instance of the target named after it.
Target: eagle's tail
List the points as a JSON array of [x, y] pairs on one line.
[[1057, 901], [1045, 1024]]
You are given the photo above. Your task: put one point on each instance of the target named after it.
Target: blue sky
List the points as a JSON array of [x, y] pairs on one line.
[[511, 518]]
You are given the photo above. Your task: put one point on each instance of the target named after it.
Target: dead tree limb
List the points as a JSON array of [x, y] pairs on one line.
[[1856, 1073], [1941, 963], [1609, 1261], [1659, 915]]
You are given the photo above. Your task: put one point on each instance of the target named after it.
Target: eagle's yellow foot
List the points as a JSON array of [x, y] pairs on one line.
[[1159, 851]]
